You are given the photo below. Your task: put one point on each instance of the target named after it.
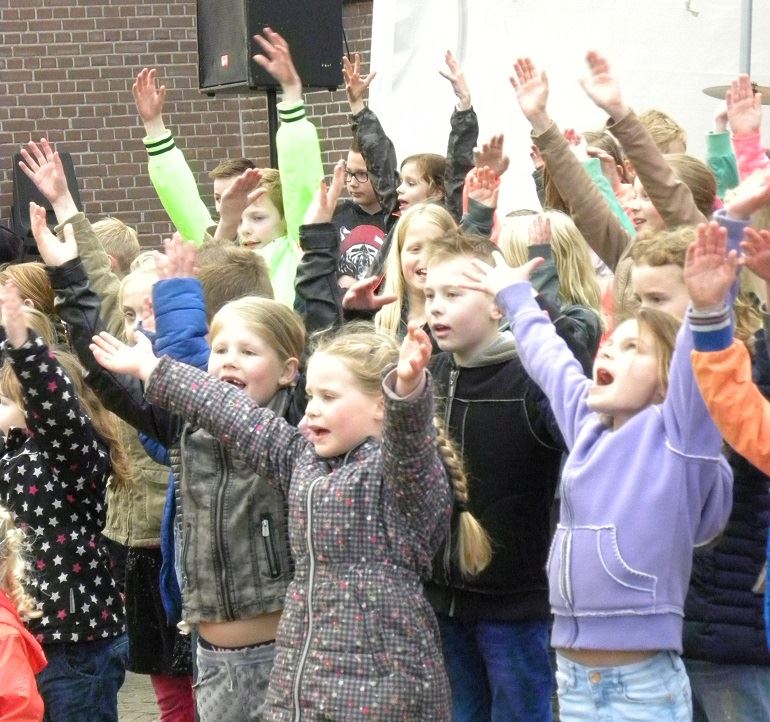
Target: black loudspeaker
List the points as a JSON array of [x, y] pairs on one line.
[[24, 191], [226, 29]]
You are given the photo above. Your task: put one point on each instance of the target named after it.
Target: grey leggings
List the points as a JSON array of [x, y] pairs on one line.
[[230, 686]]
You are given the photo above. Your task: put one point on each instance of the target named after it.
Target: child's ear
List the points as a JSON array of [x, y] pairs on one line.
[[379, 410], [289, 372], [113, 262], [495, 312]]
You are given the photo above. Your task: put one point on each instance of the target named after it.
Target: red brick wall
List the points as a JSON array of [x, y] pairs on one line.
[[66, 71]]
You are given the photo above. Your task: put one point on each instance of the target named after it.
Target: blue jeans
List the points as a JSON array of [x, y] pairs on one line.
[[82, 680], [498, 671], [723, 692], [655, 690]]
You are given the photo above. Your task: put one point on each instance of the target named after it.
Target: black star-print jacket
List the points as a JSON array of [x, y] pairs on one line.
[[53, 478]]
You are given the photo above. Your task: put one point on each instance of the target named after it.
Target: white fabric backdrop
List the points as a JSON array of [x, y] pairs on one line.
[[664, 52]]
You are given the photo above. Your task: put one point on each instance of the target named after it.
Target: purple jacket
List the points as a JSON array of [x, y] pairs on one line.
[[634, 501]]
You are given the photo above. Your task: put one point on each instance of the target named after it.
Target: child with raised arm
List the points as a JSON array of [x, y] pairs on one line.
[[60, 448], [620, 560], [723, 365], [368, 499], [21, 656]]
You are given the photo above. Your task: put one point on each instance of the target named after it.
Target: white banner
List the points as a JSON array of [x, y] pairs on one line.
[[663, 51]]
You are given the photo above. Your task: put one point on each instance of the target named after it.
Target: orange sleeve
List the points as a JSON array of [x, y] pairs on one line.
[[738, 408], [19, 699]]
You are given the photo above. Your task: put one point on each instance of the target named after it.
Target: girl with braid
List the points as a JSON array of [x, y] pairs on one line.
[[368, 498]]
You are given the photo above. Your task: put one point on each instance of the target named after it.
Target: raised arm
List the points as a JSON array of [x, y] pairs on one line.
[[413, 470], [268, 443], [376, 148], [588, 207], [744, 113], [463, 138], [170, 175], [670, 196], [52, 408]]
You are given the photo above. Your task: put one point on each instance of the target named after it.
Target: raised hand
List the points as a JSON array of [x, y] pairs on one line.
[[53, 251], [492, 279], [43, 166], [751, 194], [454, 74], [356, 85], [149, 98], [241, 193], [531, 86], [276, 60], [321, 208], [540, 231], [483, 186], [14, 319], [577, 144], [178, 259], [609, 167], [756, 252], [413, 359], [708, 270], [361, 296], [491, 155], [118, 357], [603, 87], [744, 107]]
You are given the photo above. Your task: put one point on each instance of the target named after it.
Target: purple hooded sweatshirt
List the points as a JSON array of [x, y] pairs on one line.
[[634, 501]]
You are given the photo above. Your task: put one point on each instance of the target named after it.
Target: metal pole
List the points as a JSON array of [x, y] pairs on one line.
[[272, 124], [744, 60]]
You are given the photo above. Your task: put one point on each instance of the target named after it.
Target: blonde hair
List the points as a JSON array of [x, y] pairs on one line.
[[144, 261], [33, 283], [41, 324], [663, 129], [14, 568], [663, 328], [231, 168], [577, 277], [104, 422], [366, 354], [271, 181], [388, 319], [143, 269], [119, 241], [275, 323], [698, 177]]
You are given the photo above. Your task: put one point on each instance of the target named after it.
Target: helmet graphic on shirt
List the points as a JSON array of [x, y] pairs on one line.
[[358, 249]]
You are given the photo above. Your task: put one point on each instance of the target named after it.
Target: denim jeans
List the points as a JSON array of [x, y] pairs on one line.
[[655, 690], [82, 680], [726, 692], [498, 671], [231, 685]]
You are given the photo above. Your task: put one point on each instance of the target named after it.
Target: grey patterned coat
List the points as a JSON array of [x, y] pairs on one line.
[[357, 640]]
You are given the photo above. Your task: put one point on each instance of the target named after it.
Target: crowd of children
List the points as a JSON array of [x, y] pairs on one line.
[[397, 456]]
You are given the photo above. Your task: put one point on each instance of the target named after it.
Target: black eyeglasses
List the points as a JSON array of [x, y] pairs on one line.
[[360, 175]]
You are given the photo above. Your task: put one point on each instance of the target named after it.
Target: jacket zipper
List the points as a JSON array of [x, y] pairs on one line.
[[219, 523], [450, 397], [565, 581], [310, 582], [270, 550]]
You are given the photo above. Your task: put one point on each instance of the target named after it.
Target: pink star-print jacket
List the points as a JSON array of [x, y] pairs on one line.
[[53, 477]]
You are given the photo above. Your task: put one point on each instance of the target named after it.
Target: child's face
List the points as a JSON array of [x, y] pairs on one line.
[[220, 186], [243, 359], [136, 290], [362, 193], [339, 414], [626, 376], [463, 322], [261, 223], [414, 252], [11, 415], [661, 287], [414, 187], [642, 212]]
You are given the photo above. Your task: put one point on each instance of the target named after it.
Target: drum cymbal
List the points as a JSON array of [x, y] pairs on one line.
[[719, 91]]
